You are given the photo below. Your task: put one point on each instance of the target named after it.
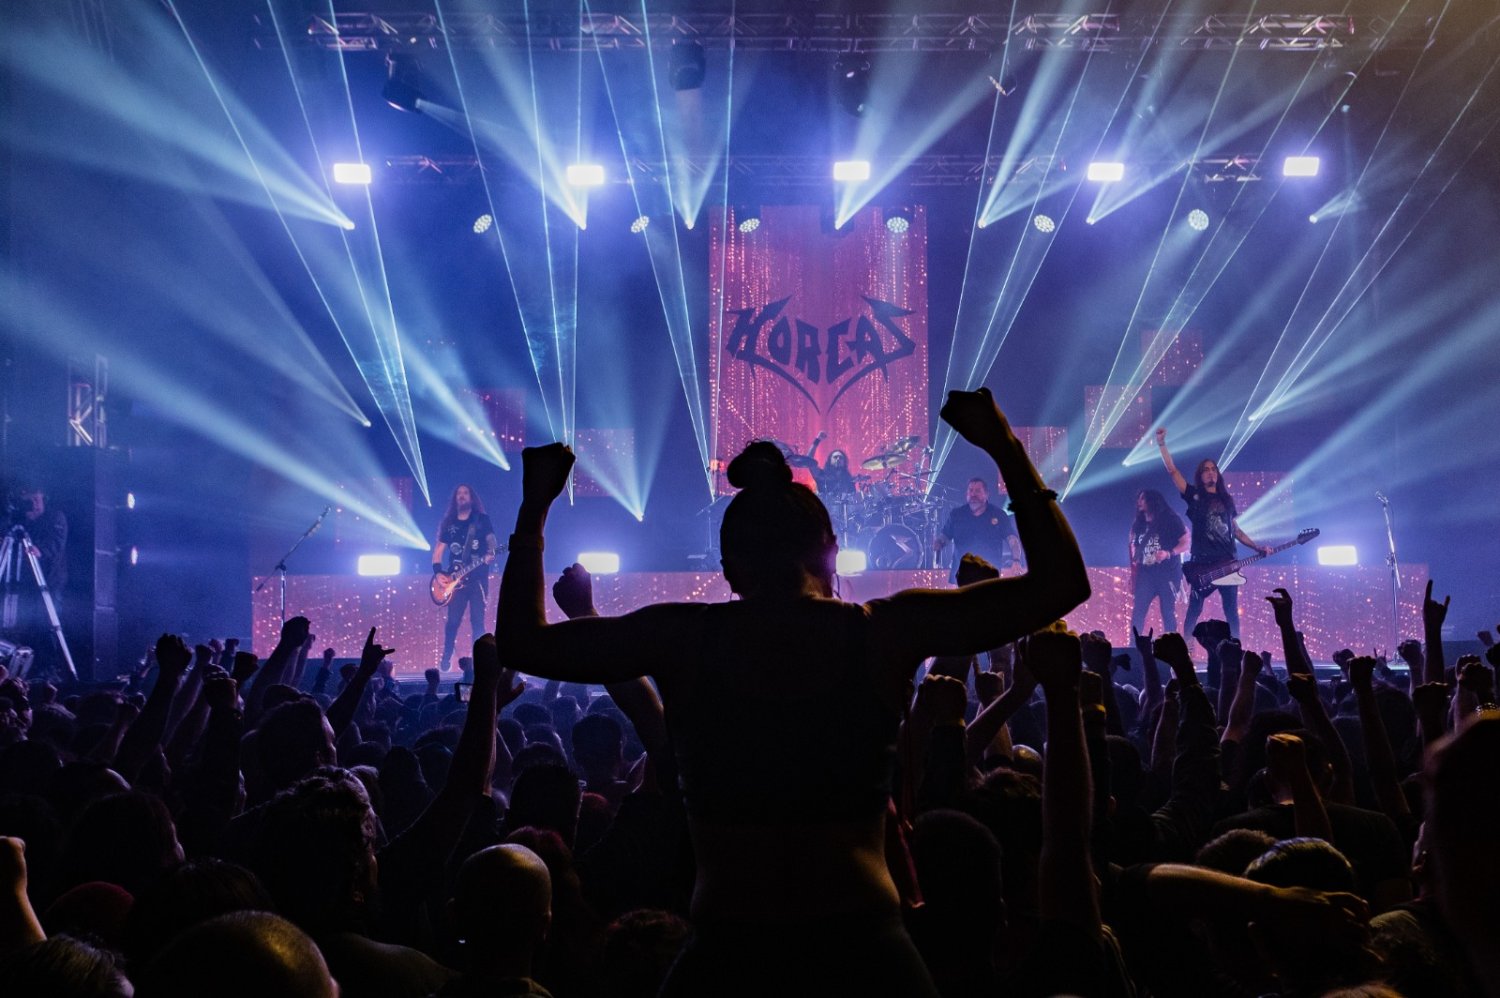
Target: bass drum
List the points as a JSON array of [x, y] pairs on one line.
[[894, 546]]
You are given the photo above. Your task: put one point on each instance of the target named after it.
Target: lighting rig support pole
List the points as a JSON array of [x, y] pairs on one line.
[[280, 568], [1390, 559]]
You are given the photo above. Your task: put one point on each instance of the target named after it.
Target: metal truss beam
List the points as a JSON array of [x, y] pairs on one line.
[[773, 172], [830, 32]]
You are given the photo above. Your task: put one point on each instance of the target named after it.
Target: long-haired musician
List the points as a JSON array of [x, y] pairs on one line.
[[465, 543]]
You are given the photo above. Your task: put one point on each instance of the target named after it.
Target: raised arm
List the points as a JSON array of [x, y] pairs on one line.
[[918, 623], [1166, 458], [1433, 615], [586, 650], [1385, 778]]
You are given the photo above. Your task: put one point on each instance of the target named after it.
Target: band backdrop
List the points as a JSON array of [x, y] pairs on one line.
[[813, 330]]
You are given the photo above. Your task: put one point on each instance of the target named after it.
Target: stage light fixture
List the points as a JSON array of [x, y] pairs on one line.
[[347, 225], [851, 83], [401, 91], [351, 173], [1300, 166], [482, 223], [1198, 220], [1338, 554], [1044, 223], [850, 562], [1106, 173], [600, 562], [585, 174], [747, 217], [688, 65], [130, 500], [135, 555], [370, 565], [899, 220], [640, 224], [850, 170]]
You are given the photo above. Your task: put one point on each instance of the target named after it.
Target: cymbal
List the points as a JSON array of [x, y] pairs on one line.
[[880, 462], [901, 445], [801, 461]]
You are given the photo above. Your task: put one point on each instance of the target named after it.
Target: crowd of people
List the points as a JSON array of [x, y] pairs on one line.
[[938, 793]]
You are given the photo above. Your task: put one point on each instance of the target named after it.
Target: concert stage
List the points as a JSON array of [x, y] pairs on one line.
[[1336, 607]]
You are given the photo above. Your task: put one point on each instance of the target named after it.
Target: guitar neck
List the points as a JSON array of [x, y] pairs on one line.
[[1236, 565]]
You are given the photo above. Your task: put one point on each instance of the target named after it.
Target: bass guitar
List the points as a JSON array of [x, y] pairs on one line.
[[445, 584], [1203, 578]]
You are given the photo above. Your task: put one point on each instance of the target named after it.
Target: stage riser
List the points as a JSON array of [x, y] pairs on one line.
[[1336, 607]]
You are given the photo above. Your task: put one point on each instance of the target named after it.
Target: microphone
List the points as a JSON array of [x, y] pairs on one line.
[[319, 521]]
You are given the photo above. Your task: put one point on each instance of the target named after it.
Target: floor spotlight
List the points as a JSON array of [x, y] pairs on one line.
[[688, 65], [376, 565], [600, 562], [1300, 166], [585, 174], [850, 562], [1044, 223], [1198, 220], [640, 224], [898, 220], [1338, 554], [351, 173], [483, 223], [401, 91], [850, 170], [851, 83], [747, 217], [1106, 173]]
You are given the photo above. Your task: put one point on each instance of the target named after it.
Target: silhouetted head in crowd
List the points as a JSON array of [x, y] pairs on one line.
[[639, 948], [958, 868], [292, 741], [502, 909], [546, 796], [315, 853], [1304, 862], [776, 535], [126, 839], [63, 966], [28, 767], [1463, 813], [1234, 850], [248, 954], [194, 892], [527, 714], [599, 746]]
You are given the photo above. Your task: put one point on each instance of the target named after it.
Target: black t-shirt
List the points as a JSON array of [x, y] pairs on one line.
[[986, 535], [1212, 517], [1151, 536], [463, 545]]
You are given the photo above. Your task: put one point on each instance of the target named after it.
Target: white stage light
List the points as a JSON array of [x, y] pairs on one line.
[[482, 223], [1044, 223], [600, 562], [850, 562], [585, 174], [135, 555], [640, 224], [130, 500], [1198, 220], [378, 564], [351, 173], [1106, 173], [1338, 554], [849, 170], [1300, 166]]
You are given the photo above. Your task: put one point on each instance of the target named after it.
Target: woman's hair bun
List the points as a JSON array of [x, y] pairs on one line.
[[759, 465]]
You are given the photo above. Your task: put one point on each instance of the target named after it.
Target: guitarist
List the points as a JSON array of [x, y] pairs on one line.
[[1211, 514], [465, 539]]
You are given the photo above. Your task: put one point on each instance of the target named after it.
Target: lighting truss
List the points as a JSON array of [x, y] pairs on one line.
[[845, 32], [788, 171]]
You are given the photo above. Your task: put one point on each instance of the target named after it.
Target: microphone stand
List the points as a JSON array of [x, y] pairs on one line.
[[1391, 560], [280, 568]]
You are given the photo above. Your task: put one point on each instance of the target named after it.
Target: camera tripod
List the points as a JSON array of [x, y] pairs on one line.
[[16, 549]]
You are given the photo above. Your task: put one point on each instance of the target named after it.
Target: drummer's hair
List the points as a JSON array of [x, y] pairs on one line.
[[775, 528], [981, 481]]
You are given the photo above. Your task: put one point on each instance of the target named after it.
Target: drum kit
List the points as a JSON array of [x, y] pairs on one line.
[[891, 510], [891, 514]]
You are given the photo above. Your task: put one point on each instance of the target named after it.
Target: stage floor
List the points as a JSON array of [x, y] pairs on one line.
[[1336, 607]]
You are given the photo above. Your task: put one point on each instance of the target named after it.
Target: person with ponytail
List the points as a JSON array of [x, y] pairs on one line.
[[787, 800]]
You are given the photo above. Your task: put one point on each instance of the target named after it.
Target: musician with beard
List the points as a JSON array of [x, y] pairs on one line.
[[465, 543]]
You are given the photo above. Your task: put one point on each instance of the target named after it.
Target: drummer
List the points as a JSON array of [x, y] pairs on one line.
[[980, 527], [834, 478]]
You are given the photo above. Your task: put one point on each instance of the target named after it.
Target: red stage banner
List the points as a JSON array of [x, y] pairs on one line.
[[820, 332]]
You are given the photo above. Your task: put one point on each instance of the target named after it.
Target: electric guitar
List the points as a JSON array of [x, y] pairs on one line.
[[445, 584], [1203, 578]]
